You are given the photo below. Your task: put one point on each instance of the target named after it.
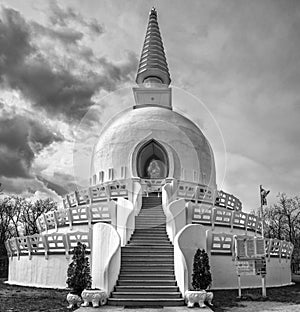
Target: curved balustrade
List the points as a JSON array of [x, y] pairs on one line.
[[152, 185], [278, 248], [228, 201], [194, 191], [216, 216], [87, 214], [97, 193], [223, 243], [47, 244]]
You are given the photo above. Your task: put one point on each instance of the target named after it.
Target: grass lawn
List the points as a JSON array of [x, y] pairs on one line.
[[228, 298], [25, 299]]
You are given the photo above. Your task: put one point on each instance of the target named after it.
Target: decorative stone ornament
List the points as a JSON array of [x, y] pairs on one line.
[[73, 300], [193, 296], [95, 296]]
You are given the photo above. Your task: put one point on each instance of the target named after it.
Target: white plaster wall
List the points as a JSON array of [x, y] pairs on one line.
[[223, 270], [226, 229], [135, 195], [186, 242], [224, 273], [125, 220], [106, 254], [119, 139], [175, 217], [38, 271], [66, 229]]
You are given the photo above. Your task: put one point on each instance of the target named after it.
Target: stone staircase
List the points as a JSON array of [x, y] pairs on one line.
[[147, 263]]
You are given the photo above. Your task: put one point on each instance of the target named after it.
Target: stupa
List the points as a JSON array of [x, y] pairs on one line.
[[152, 201]]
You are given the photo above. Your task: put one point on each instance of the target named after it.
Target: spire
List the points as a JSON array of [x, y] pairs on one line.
[[153, 65]]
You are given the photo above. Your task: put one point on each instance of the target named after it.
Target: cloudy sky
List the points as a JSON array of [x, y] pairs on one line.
[[67, 66]]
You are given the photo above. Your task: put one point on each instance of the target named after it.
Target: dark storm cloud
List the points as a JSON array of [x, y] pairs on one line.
[[20, 139], [62, 17], [54, 87]]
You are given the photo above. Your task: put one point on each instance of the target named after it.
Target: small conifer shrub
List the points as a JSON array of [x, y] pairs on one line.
[[201, 271], [79, 272]]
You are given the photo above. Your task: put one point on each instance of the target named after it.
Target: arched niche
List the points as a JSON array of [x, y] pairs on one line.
[[152, 161]]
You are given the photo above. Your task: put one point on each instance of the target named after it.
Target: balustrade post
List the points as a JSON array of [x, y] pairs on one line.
[[17, 247], [66, 245], [280, 250], [70, 217], [213, 216], [8, 248], [246, 223], [231, 220], [107, 191], [46, 246], [190, 212], [55, 221], [28, 247], [89, 215]]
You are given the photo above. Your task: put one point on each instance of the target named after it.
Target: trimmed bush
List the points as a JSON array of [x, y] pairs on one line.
[[201, 271], [79, 272]]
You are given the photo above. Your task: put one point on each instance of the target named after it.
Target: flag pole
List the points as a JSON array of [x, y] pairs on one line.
[[263, 201], [261, 211]]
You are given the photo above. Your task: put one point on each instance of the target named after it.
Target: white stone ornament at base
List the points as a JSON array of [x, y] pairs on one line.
[[193, 296], [73, 300], [96, 296]]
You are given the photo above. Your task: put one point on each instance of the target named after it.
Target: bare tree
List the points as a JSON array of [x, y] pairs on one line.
[[32, 211], [283, 220], [18, 216]]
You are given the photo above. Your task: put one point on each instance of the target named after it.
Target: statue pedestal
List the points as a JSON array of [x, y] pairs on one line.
[[95, 296], [192, 297], [73, 300]]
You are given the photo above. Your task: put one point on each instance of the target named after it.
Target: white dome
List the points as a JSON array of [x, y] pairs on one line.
[[190, 156]]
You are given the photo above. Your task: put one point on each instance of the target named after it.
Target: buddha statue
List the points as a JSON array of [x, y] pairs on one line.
[[154, 170]]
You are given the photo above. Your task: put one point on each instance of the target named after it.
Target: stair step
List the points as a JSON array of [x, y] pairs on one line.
[[139, 253], [146, 244], [150, 242], [157, 257], [144, 277], [153, 227], [156, 261], [144, 263], [147, 288], [131, 249], [149, 254], [157, 237], [157, 224], [146, 302], [147, 269], [148, 231], [150, 248], [136, 283], [141, 264], [140, 250], [148, 295], [150, 222]]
